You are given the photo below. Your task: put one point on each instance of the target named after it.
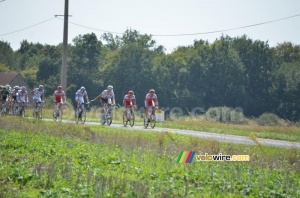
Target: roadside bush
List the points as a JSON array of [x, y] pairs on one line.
[[268, 119], [226, 114]]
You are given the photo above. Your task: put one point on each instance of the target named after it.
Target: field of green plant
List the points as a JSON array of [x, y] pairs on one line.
[[48, 159]]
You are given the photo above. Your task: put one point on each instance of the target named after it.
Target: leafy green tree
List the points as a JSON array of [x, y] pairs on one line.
[[257, 57], [7, 56], [287, 52], [223, 76], [287, 84], [49, 67], [3, 68], [178, 79], [29, 55], [83, 67], [130, 67], [111, 42]]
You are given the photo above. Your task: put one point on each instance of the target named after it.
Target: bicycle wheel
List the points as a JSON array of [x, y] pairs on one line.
[[103, 122], [59, 115], [145, 125], [22, 112], [76, 118], [41, 114], [131, 121], [125, 121], [109, 119], [152, 121], [3, 110], [55, 116], [14, 110], [36, 115], [83, 116]]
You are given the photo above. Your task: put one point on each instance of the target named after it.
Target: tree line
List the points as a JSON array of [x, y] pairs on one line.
[[232, 72]]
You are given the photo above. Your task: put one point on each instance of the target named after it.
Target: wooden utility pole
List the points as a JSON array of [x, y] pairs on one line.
[[63, 77]]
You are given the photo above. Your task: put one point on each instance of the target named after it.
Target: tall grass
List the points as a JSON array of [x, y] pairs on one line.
[[285, 130], [48, 159]]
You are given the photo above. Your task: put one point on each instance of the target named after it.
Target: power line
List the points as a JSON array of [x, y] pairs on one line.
[[191, 34], [91, 27], [27, 27], [157, 35], [226, 30]]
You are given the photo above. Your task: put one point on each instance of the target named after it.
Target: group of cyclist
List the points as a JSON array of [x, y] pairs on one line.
[[107, 96], [10, 96]]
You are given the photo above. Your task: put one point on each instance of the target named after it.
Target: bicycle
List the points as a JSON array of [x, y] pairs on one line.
[[128, 116], [58, 113], [80, 114], [107, 115], [151, 118], [22, 109], [4, 110], [38, 110], [15, 109]]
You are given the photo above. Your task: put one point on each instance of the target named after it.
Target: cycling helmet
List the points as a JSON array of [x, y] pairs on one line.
[[130, 92], [82, 88], [23, 88], [151, 91], [59, 87], [110, 87], [41, 86], [16, 87]]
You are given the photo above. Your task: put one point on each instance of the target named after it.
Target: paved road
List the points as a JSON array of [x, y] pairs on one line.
[[213, 136], [208, 135]]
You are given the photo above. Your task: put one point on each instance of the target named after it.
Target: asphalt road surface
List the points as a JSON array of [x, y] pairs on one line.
[[211, 136]]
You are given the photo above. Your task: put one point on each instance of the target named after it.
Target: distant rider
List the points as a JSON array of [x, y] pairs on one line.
[[129, 101], [151, 100], [38, 95], [79, 97], [59, 97], [107, 97]]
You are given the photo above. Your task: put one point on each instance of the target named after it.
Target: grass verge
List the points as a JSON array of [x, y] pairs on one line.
[[40, 159]]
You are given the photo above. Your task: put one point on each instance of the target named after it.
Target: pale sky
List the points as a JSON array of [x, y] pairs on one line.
[[156, 17]]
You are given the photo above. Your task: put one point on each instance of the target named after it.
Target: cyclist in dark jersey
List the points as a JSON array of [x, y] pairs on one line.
[[3, 96]]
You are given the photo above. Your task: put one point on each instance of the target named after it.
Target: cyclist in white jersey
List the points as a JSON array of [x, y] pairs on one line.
[[14, 93], [150, 101], [38, 95], [108, 97], [23, 95], [79, 96], [13, 96]]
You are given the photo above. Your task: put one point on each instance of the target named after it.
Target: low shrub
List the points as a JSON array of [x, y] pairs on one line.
[[268, 119], [226, 114]]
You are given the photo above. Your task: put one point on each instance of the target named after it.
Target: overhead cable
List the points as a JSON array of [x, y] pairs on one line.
[[27, 27], [191, 34], [225, 30], [157, 35]]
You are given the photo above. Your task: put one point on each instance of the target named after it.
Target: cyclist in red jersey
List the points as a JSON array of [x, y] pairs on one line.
[[59, 96], [150, 101], [129, 101]]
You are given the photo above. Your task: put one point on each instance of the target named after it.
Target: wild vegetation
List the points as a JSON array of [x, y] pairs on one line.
[[48, 159], [262, 127]]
